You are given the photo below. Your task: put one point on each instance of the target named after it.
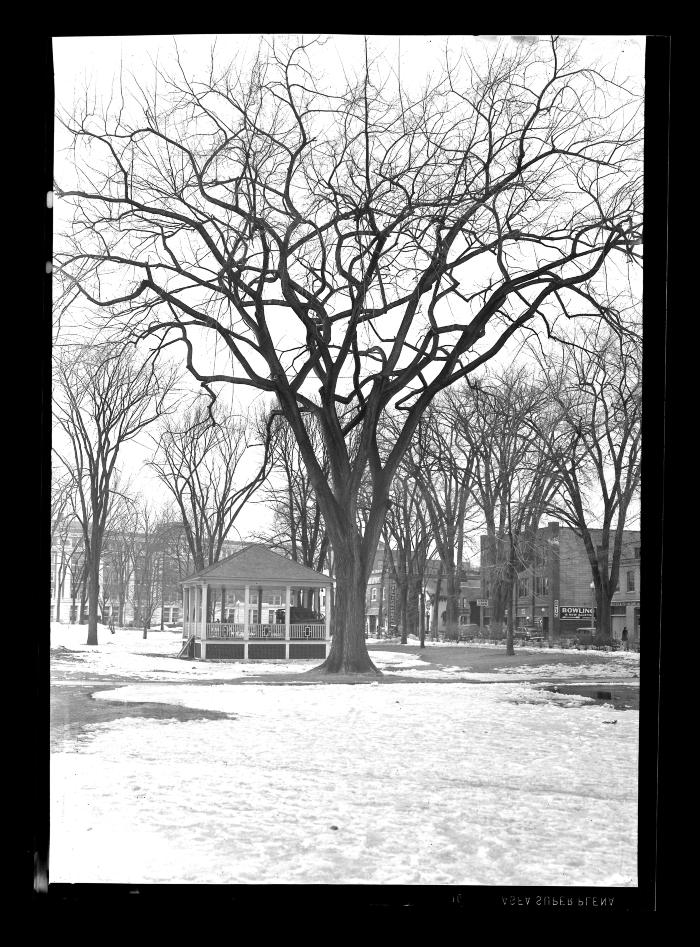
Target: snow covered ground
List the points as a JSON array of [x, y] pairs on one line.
[[409, 665], [415, 783]]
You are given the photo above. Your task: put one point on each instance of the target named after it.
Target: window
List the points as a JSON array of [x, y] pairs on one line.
[[637, 552], [542, 585], [374, 594], [522, 587], [384, 593], [630, 581]]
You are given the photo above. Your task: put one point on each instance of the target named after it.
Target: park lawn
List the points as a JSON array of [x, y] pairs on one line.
[[176, 771]]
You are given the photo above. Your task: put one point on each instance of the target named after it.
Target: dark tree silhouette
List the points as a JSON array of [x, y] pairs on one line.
[[298, 528], [353, 250], [593, 436], [101, 402], [514, 476], [203, 461]]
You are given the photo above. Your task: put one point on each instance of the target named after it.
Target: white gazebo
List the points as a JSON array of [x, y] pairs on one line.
[[256, 605]]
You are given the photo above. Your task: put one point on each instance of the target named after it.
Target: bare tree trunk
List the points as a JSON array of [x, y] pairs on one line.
[[93, 600], [604, 618], [382, 586], [421, 617], [348, 654], [451, 628], [436, 606], [413, 609], [403, 610], [510, 649]]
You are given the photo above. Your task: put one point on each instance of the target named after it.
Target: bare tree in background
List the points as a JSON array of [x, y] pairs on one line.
[[513, 475], [77, 566], [149, 550], [101, 402], [406, 543], [298, 526], [354, 250], [443, 467], [593, 437], [203, 461], [119, 555], [61, 499]]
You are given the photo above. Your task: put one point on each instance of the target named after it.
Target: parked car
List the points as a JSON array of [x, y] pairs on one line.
[[298, 614]]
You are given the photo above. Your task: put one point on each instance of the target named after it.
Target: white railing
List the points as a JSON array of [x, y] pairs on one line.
[[264, 632], [308, 630], [302, 631], [227, 629]]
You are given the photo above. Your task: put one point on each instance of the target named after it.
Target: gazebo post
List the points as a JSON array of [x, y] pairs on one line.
[[203, 651], [184, 614], [223, 604], [328, 617], [287, 609], [246, 607]]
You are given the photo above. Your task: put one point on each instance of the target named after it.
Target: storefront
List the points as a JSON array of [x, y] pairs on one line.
[[574, 617]]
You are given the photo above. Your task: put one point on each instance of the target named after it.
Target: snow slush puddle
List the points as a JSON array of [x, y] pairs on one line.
[[618, 696], [75, 712]]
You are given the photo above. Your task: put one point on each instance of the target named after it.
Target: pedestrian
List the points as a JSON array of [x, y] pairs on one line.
[[625, 639]]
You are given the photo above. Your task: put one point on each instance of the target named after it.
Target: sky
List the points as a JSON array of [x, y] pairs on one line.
[[101, 63]]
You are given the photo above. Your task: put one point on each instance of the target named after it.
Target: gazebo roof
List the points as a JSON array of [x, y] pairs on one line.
[[256, 563]]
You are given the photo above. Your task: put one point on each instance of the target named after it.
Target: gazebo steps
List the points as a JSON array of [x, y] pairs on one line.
[[187, 650]]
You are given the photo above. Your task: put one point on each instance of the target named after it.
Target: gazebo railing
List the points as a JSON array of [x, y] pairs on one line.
[[227, 629], [308, 631], [216, 630], [259, 632]]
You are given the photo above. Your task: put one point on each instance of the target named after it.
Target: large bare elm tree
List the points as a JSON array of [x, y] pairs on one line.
[[349, 244]]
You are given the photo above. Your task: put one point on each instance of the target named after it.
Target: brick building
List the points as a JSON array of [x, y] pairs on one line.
[[555, 593]]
